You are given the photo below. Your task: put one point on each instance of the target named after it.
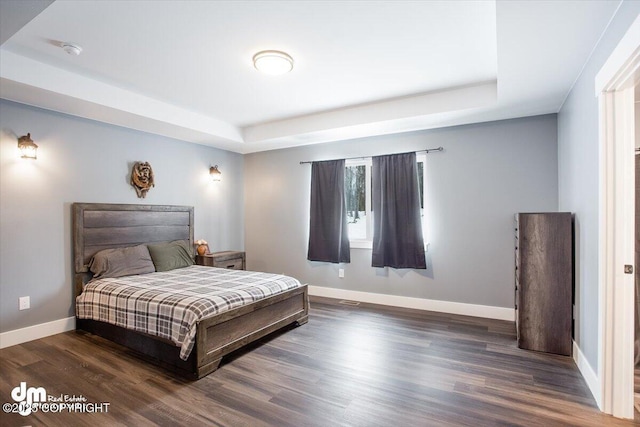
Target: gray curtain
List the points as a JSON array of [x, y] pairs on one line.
[[328, 237], [397, 226]]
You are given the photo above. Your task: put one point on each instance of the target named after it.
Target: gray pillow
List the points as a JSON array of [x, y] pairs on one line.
[[120, 262], [171, 255]]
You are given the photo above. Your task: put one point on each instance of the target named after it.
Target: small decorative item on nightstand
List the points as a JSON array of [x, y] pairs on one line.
[[203, 247]]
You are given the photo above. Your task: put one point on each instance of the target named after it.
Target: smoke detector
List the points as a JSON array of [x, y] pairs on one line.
[[72, 48]]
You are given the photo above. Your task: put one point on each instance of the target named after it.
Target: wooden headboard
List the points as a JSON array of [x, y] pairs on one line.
[[98, 226]]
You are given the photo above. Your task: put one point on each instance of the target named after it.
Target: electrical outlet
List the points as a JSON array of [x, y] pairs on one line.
[[24, 303], [341, 273]]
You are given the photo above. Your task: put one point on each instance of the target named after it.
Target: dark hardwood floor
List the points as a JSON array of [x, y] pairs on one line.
[[349, 366]]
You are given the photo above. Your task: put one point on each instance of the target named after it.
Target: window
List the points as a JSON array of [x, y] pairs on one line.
[[357, 182]]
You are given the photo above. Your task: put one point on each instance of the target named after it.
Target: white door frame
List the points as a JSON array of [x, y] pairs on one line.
[[614, 86]]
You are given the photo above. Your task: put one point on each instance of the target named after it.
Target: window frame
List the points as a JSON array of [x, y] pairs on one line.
[[367, 242], [422, 158]]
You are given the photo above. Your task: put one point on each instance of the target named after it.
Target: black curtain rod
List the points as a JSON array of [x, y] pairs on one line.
[[428, 150]]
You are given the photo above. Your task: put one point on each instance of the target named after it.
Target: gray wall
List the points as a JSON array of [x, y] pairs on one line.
[[578, 147], [85, 161], [487, 173]]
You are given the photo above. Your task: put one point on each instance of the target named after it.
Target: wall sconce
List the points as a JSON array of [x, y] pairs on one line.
[[28, 149], [215, 174]]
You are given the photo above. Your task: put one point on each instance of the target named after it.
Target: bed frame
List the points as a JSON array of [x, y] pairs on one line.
[[103, 226]]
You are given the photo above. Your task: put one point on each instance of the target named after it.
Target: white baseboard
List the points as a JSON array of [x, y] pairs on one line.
[[474, 310], [588, 374], [30, 333]]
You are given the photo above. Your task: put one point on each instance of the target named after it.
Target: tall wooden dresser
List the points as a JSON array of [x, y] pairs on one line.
[[544, 281]]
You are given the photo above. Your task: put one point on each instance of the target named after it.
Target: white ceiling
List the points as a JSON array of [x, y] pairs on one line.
[[183, 68]]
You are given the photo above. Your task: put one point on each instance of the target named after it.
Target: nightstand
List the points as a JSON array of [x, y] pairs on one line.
[[234, 260]]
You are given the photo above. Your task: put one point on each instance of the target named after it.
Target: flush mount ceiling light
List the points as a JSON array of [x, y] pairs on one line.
[[71, 48], [273, 62]]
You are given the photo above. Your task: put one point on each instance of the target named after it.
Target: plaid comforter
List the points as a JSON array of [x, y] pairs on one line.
[[170, 304]]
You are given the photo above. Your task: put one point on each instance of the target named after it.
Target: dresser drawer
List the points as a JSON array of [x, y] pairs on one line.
[[232, 264]]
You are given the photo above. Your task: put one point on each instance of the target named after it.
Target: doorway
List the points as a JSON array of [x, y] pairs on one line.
[[615, 89]]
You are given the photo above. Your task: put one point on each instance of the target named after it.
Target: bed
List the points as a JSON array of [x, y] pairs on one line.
[[107, 226]]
